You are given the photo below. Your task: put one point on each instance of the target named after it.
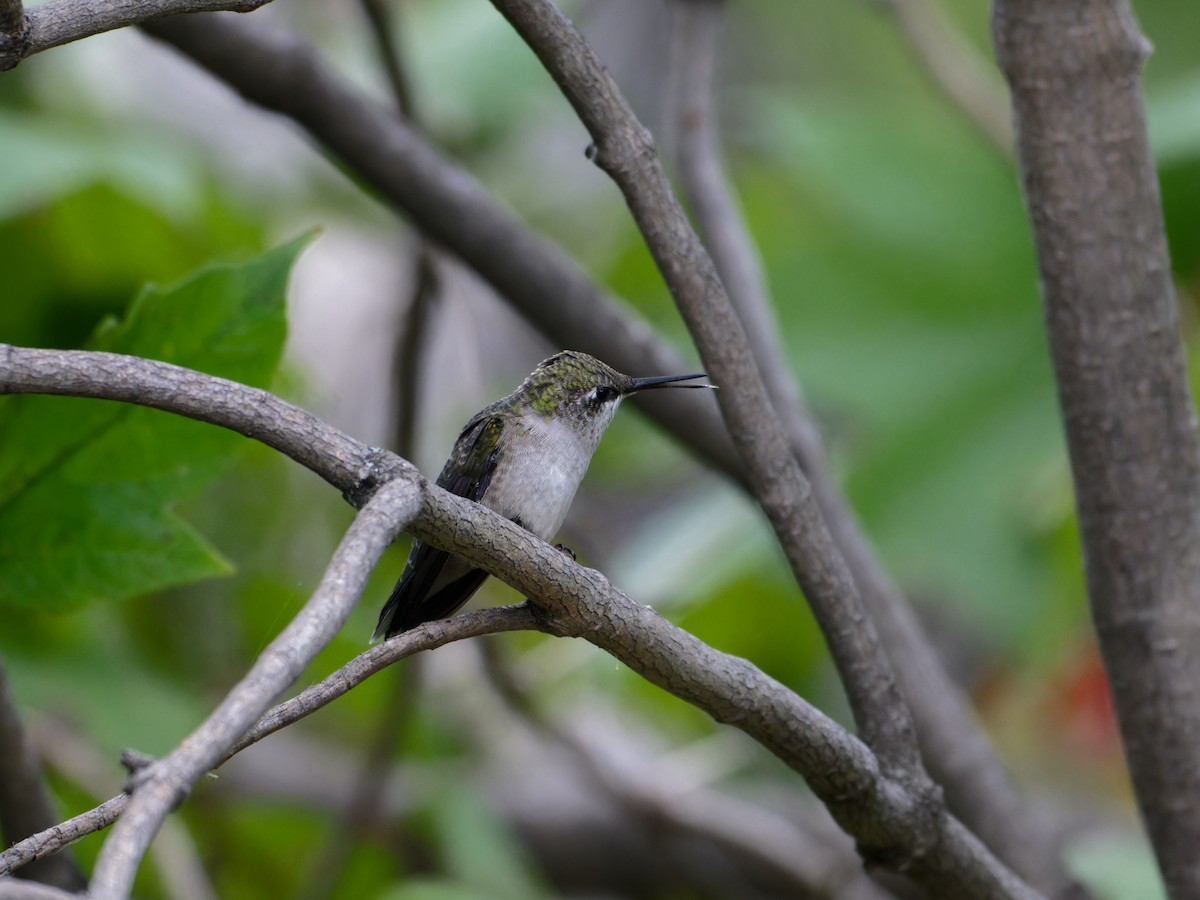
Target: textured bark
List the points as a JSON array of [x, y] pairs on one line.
[[1092, 197], [57, 22]]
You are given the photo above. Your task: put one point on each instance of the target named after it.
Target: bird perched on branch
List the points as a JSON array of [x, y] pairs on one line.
[[524, 456]]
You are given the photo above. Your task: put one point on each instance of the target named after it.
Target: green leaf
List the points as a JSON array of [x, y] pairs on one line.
[[86, 486]]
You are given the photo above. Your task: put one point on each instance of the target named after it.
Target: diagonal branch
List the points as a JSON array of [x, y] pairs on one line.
[[429, 636], [57, 22], [697, 26], [894, 825], [978, 788], [282, 73], [161, 786], [624, 149], [959, 71], [768, 843], [53, 839]]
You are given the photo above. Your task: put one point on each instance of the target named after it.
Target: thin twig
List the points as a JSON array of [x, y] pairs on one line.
[[25, 806], [956, 69], [428, 637], [379, 15], [426, 282], [161, 786], [696, 32], [409, 344], [54, 839]]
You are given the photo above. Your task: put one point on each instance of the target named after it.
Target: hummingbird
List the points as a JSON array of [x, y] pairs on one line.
[[524, 456]]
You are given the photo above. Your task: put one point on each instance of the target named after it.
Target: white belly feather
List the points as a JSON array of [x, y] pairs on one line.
[[537, 484]]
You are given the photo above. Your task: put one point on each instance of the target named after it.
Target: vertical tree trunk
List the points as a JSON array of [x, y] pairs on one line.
[[1074, 67]]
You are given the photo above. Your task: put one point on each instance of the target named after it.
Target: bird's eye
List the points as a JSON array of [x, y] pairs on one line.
[[598, 396]]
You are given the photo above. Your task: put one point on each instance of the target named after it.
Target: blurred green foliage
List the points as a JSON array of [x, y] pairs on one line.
[[86, 484], [898, 254]]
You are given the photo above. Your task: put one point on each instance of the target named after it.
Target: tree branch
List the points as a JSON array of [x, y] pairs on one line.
[[379, 15], [17, 889], [697, 26], [55, 838], [801, 863], [25, 806], [349, 465], [624, 149], [893, 825], [280, 72], [426, 280], [58, 22], [955, 751], [1092, 197], [427, 637], [956, 69], [161, 786]]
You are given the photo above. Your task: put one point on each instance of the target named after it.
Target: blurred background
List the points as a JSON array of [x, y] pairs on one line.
[[896, 248]]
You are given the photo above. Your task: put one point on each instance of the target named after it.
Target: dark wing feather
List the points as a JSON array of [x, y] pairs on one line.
[[435, 583]]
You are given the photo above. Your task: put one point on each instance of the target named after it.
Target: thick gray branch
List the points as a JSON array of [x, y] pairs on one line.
[[1092, 197], [59, 22]]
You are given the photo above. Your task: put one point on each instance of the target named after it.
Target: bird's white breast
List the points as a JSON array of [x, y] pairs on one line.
[[540, 479]]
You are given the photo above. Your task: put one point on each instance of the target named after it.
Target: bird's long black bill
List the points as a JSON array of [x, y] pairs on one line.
[[657, 381]]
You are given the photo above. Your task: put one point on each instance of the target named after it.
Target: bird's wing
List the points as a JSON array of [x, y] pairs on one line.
[[435, 583]]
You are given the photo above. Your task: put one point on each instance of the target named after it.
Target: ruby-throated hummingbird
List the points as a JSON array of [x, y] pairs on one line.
[[524, 457]]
